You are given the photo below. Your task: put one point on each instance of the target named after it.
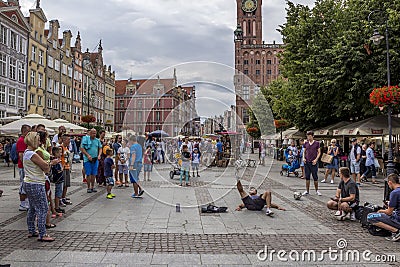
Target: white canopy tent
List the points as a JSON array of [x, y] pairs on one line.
[[375, 126], [72, 127], [31, 119]]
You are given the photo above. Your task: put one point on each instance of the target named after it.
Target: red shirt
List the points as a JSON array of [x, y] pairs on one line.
[[21, 147]]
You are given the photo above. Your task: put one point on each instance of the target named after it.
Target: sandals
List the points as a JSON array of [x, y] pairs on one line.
[[49, 226], [46, 238], [36, 234]]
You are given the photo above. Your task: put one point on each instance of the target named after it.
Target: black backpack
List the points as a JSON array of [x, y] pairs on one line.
[[377, 231], [57, 175]]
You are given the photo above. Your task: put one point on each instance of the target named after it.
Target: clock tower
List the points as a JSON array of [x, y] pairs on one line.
[[256, 62]]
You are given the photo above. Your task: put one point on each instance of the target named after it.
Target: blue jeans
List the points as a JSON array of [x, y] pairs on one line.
[[370, 169], [311, 169]]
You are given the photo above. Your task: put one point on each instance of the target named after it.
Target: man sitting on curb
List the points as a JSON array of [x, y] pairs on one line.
[[389, 218], [252, 201], [347, 196]]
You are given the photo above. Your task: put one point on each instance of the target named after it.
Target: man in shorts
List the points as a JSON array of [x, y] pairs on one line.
[[91, 149], [252, 201], [389, 218], [355, 156], [347, 197], [135, 166], [311, 154]]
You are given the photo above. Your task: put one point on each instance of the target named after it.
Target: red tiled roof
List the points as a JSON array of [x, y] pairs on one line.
[[3, 4], [145, 86]]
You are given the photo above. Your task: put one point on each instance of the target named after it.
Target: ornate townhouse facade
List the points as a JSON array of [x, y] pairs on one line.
[[14, 32]]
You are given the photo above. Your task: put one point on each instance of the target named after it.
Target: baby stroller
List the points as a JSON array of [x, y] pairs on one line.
[[176, 166], [290, 167]]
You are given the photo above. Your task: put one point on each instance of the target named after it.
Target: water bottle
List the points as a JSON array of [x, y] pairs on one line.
[[178, 207]]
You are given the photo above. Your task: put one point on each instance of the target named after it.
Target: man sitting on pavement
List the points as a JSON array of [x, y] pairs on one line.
[[389, 218], [347, 195], [252, 201]]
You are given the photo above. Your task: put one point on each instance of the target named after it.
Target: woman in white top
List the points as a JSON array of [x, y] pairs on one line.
[[123, 157], [35, 168]]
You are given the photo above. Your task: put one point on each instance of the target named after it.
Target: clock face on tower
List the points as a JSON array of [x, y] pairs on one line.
[[249, 5]]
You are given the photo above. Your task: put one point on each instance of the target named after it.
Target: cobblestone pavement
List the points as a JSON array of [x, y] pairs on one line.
[[148, 231]]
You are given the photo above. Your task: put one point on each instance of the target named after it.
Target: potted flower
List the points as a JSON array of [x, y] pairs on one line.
[[385, 96]]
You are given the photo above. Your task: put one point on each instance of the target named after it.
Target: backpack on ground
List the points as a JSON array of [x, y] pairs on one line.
[[367, 209], [14, 154], [377, 231]]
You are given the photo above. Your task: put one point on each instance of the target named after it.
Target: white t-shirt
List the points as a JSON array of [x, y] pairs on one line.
[[123, 154]]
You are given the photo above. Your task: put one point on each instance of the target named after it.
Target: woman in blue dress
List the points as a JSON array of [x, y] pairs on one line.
[[333, 150]]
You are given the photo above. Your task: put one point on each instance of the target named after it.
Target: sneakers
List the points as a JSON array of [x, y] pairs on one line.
[[332, 182], [109, 196], [269, 212], [135, 196], [22, 208], [305, 193], [112, 194], [66, 202], [394, 237], [323, 181], [94, 190], [59, 210], [318, 193], [89, 190], [62, 204], [353, 216], [141, 192]]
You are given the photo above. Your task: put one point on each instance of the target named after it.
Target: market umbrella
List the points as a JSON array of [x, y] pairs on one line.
[[293, 133], [372, 126], [328, 130], [75, 128], [31, 119], [159, 133]]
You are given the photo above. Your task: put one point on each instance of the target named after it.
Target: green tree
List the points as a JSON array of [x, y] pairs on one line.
[[329, 63]]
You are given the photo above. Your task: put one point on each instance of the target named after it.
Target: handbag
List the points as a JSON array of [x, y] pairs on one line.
[[326, 158]]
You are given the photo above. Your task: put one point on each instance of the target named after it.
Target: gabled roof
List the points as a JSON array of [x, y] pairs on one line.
[[145, 86], [39, 12], [8, 11]]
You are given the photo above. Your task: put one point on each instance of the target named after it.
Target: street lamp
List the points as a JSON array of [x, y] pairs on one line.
[[376, 39]]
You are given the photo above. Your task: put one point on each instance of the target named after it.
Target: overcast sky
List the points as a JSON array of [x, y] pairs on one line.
[[147, 38]]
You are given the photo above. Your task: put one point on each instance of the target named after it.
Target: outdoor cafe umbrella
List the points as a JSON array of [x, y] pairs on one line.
[[159, 133], [31, 119], [377, 125], [75, 128]]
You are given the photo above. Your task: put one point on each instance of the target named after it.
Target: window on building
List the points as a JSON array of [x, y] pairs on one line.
[[2, 94], [69, 92], [269, 62], [69, 72], [22, 46], [33, 76], [256, 89], [54, 44], [121, 116], [258, 61], [269, 72], [11, 96], [245, 116], [31, 99], [33, 53], [55, 104], [121, 103], [68, 108], [56, 87], [50, 62], [49, 103], [40, 80], [246, 72], [62, 106], [57, 64], [39, 100], [3, 64], [158, 115], [13, 68], [49, 84], [63, 90], [140, 104], [21, 99], [13, 40], [139, 116], [41, 55], [3, 34], [257, 72], [246, 92], [21, 72], [64, 69], [246, 62]]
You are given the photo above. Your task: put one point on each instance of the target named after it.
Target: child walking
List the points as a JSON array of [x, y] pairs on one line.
[[196, 155], [147, 165], [108, 173], [57, 178], [185, 164]]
